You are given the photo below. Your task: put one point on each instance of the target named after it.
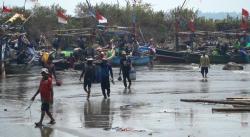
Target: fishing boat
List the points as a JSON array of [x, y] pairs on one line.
[[167, 56], [136, 60]]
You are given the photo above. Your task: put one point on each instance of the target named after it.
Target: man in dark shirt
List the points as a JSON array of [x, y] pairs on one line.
[[89, 74], [106, 70], [125, 67]]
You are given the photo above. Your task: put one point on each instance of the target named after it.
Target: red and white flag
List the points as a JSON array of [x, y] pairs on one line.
[[191, 25], [245, 13], [6, 9], [100, 18], [244, 21], [61, 17]]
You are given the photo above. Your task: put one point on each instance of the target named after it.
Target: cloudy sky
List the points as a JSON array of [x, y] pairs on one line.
[[202, 5]]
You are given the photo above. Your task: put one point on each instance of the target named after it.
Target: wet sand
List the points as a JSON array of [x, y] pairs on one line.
[[151, 108]]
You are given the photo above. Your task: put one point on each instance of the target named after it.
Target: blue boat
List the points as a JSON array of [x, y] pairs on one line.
[[136, 60]]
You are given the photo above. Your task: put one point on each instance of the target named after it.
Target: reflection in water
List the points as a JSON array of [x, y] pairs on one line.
[[14, 88], [244, 121], [127, 91], [191, 117], [98, 115], [45, 131], [204, 86]]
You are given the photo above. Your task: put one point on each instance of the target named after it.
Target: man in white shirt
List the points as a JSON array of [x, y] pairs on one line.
[[204, 65]]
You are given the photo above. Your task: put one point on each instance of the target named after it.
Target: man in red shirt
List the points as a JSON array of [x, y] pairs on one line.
[[45, 90]]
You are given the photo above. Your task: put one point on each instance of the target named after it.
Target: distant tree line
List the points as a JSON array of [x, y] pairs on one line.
[[159, 25]]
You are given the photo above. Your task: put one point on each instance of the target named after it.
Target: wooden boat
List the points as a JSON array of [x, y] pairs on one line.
[[136, 60], [166, 56], [240, 58]]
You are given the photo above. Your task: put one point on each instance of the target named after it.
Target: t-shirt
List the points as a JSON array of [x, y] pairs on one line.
[[204, 61], [105, 70], [125, 63], [45, 90], [89, 71]]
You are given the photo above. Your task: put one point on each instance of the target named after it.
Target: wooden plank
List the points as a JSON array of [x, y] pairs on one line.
[[216, 101], [233, 98], [231, 109]]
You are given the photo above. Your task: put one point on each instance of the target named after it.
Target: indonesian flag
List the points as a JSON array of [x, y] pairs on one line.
[[62, 18], [6, 9], [100, 18], [245, 13], [191, 25], [244, 21]]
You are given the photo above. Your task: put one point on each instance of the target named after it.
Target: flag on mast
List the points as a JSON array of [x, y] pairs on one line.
[[100, 18], [6, 9], [191, 25], [61, 17], [244, 20]]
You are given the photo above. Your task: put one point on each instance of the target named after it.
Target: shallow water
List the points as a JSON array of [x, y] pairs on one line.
[[151, 108]]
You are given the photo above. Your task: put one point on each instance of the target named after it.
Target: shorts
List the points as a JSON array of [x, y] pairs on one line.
[[45, 106], [105, 84], [204, 69], [87, 83]]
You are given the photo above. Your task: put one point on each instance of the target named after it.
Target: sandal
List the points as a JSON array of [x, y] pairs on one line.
[[52, 122], [38, 124]]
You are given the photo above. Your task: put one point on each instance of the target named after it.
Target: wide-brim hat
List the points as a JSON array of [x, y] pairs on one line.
[[90, 59], [45, 70]]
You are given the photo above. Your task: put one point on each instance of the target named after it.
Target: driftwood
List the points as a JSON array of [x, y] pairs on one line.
[[238, 98], [231, 109], [236, 102]]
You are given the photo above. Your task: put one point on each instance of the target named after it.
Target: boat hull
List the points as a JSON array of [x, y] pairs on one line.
[[136, 60]]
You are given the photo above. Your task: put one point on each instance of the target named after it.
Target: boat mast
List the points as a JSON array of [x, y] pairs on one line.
[[2, 66], [177, 21]]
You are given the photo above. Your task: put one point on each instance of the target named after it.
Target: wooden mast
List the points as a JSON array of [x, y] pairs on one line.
[[177, 21]]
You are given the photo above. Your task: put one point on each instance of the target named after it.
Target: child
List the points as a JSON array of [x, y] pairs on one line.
[[45, 90]]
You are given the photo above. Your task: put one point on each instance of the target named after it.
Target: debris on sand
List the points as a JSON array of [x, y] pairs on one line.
[[239, 104], [118, 129]]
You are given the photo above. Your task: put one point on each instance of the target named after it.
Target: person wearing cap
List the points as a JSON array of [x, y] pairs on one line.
[[125, 67], [89, 75], [106, 71], [45, 90], [204, 64], [152, 51]]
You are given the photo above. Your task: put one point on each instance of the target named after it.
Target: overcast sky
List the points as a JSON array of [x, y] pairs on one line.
[[202, 5]]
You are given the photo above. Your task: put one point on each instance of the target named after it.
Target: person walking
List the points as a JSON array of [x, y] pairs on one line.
[[152, 52], [204, 64], [89, 74], [52, 73], [106, 71], [125, 67], [45, 90]]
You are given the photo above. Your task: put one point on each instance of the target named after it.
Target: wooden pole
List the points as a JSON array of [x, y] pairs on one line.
[[177, 26], [217, 101], [2, 70], [231, 109], [2, 67]]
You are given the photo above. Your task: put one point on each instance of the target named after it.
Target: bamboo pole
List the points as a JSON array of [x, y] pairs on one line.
[[2, 70], [216, 101], [231, 109]]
